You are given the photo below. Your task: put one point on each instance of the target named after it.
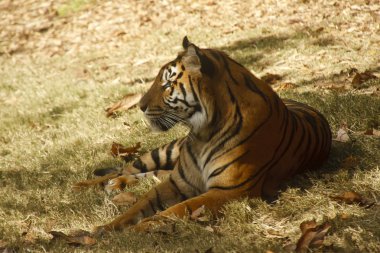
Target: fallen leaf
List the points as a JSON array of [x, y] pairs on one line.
[[372, 132], [352, 197], [344, 216], [125, 198], [350, 162], [307, 225], [286, 86], [312, 236], [360, 78], [75, 238], [342, 135], [271, 78], [118, 150], [209, 229], [124, 104], [3, 245]]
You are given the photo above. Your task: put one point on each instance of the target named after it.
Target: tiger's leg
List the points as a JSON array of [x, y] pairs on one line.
[[170, 192], [163, 158], [213, 200]]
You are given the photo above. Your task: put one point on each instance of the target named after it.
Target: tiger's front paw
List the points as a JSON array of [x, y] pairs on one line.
[[119, 183], [101, 230], [93, 182]]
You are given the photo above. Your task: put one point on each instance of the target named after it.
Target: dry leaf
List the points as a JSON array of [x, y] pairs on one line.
[[342, 135], [118, 150], [350, 162], [372, 132], [352, 197], [271, 78], [307, 225], [76, 238], [312, 235], [124, 104], [360, 78], [125, 198], [286, 86], [3, 245], [209, 229]]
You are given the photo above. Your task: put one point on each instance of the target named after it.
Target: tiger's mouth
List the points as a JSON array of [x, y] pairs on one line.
[[162, 122]]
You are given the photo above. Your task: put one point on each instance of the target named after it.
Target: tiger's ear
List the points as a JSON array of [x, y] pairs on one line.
[[185, 42], [190, 59], [196, 61]]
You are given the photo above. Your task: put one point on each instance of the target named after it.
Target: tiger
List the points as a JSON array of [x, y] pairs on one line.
[[244, 141]]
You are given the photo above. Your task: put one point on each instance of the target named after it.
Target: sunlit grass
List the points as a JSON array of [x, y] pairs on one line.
[[72, 6]]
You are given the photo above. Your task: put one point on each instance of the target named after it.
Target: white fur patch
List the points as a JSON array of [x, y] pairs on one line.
[[168, 75], [197, 120]]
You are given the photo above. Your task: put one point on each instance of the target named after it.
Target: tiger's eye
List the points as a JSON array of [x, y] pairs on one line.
[[167, 85]]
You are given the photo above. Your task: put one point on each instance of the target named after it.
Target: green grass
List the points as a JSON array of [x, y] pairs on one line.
[[53, 133], [73, 6]]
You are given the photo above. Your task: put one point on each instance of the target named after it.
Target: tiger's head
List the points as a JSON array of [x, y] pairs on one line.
[[175, 93]]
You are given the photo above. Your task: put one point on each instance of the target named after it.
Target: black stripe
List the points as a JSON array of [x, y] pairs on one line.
[[250, 84], [156, 157], [179, 75], [138, 164], [183, 90], [232, 97], [269, 164], [215, 54], [301, 140], [221, 169], [152, 206], [229, 70], [159, 202], [192, 90], [183, 177], [176, 100], [171, 91], [229, 134], [169, 163], [192, 156], [183, 196], [254, 131]]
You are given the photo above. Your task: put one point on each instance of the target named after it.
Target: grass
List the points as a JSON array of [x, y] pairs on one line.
[[73, 6], [53, 133]]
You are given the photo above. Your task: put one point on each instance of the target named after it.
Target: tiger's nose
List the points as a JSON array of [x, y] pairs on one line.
[[143, 107]]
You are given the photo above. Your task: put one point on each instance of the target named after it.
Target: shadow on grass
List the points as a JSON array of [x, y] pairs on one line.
[[254, 52]]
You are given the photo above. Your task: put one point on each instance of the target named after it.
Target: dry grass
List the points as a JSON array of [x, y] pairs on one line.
[[53, 130]]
